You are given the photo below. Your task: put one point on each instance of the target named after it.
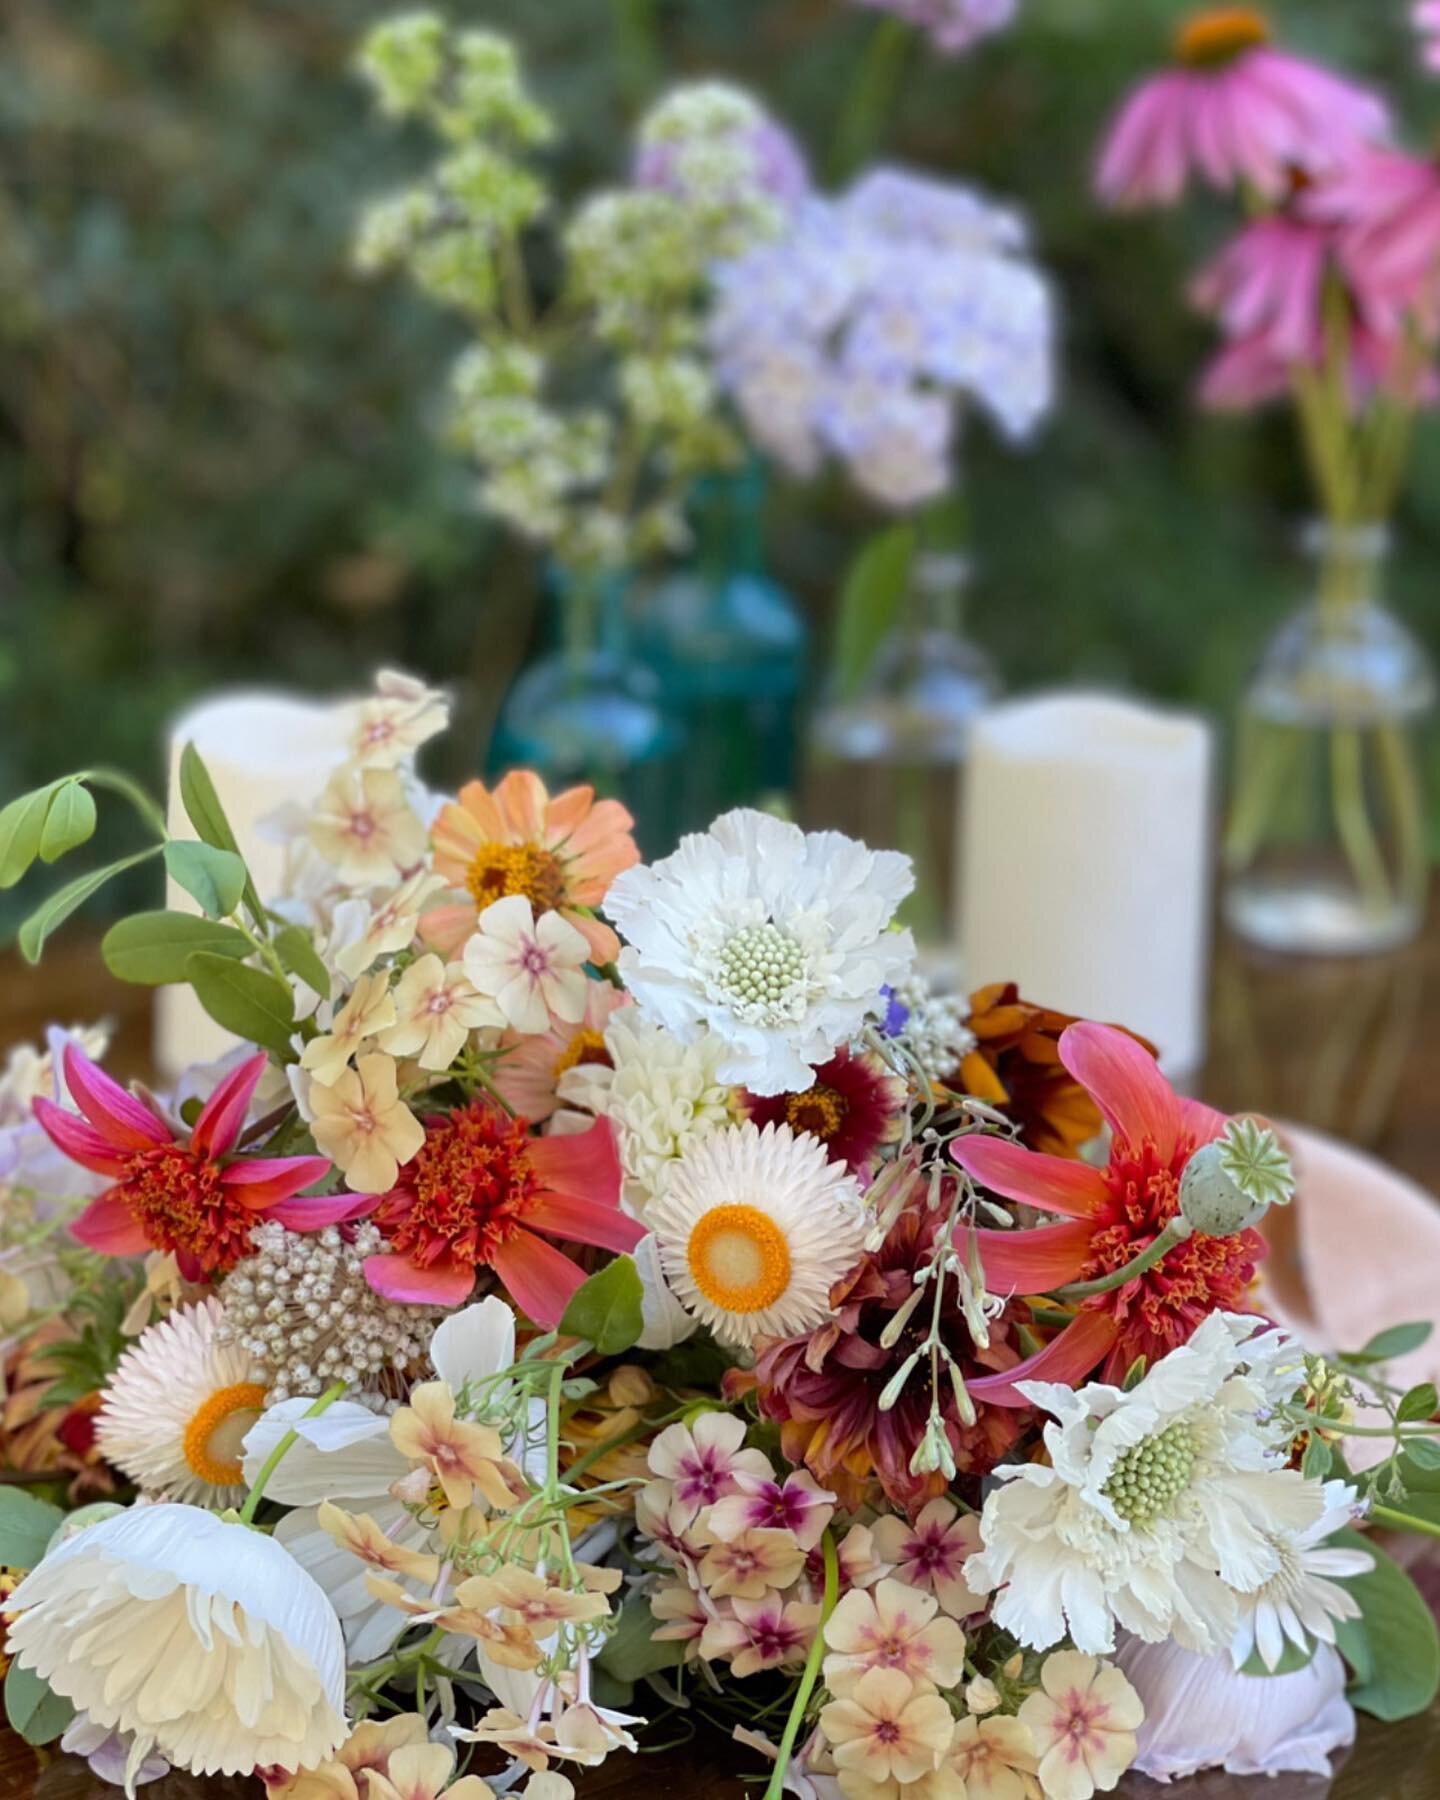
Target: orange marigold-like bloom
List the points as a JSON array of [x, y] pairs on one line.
[[561, 854]]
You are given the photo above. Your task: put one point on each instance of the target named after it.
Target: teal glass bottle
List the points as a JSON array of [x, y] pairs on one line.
[[729, 646]]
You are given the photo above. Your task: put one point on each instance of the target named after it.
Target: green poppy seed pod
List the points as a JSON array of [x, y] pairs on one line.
[[1212, 1200], [77, 1521]]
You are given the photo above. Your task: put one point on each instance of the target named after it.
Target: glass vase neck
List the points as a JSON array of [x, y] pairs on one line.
[[1350, 562], [937, 590]]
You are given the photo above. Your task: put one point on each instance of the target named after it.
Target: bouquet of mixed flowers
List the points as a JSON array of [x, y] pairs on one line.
[[593, 1295]]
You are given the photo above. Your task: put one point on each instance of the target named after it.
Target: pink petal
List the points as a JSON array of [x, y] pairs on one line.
[[223, 1113], [265, 1180], [1201, 1123], [584, 1222], [445, 928], [1032, 1262], [1068, 1359], [315, 1211], [537, 1277], [397, 1278], [116, 1115], [1055, 1184], [82, 1143], [109, 1226], [584, 1165], [1125, 1082]]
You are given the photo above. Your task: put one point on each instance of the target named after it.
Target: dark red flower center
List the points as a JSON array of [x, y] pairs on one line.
[[185, 1208], [819, 1110], [465, 1193]]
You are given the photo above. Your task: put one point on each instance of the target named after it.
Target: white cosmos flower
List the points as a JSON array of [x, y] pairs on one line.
[[1159, 1506], [176, 1409], [203, 1639], [774, 939], [1300, 1602], [754, 1230]]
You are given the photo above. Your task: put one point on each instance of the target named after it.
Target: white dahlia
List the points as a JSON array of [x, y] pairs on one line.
[[175, 1412], [755, 1229], [202, 1639], [776, 940], [1161, 1507]]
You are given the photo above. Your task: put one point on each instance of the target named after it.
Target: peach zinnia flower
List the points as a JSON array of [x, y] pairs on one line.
[[561, 854], [529, 1071]]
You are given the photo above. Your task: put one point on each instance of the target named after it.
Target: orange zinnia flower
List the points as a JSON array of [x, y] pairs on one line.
[[561, 854]]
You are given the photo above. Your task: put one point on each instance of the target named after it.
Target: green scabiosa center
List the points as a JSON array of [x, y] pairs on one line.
[[1151, 1476], [761, 971]]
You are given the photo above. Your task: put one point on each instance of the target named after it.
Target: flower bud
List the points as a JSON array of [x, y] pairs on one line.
[[982, 1695], [1230, 1184]]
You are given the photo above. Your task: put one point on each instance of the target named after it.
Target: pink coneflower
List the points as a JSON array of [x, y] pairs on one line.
[[1236, 111], [1112, 1215], [855, 1107], [477, 1196], [526, 1075], [191, 1196], [1385, 209], [1427, 22]]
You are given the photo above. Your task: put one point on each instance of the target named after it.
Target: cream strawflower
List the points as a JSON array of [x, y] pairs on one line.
[[533, 968], [363, 1125], [174, 1413], [202, 1638], [369, 1011], [755, 1229], [1160, 1504], [660, 1094], [1083, 1722], [436, 1009], [776, 940], [365, 828]]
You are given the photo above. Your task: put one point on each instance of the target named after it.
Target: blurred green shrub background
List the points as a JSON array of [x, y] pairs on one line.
[[218, 447]]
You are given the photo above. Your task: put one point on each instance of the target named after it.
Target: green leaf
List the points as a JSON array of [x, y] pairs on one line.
[[21, 825], [296, 949], [207, 815], [153, 948], [252, 1003], [631, 1650], [1292, 1660], [606, 1309], [53, 913], [33, 1707], [69, 822], [870, 603], [1315, 1464], [1424, 1453], [216, 878], [1399, 1340], [26, 1527], [1393, 1646], [1419, 1403]]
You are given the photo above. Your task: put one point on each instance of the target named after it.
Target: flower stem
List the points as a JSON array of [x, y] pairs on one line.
[[867, 111], [1399, 1521], [811, 1674], [1174, 1233], [273, 1460]]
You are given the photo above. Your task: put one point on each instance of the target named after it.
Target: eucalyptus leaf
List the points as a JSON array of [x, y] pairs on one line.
[[27, 1525], [254, 1004], [33, 1707], [214, 878], [21, 825], [1393, 1646], [53, 913], [870, 603], [1292, 1660], [154, 948], [69, 822], [1424, 1453], [1419, 1403], [1398, 1340], [607, 1308]]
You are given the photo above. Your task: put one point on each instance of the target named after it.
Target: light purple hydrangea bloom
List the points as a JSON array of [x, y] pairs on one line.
[[856, 334], [953, 25]]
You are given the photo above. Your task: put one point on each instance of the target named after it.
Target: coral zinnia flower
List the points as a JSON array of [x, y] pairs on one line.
[[561, 854], [527, 1074], [475, 1196], [1113, 1214], [824, 1388], [1016, 1066], [854, 1108], [180, 1195], [1235, 111]]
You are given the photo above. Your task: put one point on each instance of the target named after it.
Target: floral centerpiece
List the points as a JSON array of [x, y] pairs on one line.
[[596, 1296]]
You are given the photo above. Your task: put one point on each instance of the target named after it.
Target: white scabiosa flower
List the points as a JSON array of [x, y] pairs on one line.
[[175, 1412], [1300, 1602], [660, 1093], [755, 1229], [776, 940], [1161, 1507], [202, 1639]]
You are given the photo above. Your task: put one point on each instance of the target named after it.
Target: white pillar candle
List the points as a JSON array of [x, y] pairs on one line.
[[1085, 863], [262, 750]]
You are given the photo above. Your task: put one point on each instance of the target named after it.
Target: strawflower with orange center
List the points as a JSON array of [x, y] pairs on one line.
[[479, 1194], [191, 1196], [560, 853], [1112, 1215]]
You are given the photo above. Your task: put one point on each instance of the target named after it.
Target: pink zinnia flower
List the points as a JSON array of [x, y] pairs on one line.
[[1235, 111], [1113, 1214], [189, 1196], [480, 1193]]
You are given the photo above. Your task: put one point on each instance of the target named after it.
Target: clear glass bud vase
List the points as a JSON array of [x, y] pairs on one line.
[[1325, 848]]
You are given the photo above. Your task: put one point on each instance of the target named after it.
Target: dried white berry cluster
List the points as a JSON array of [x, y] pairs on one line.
[[935, 1033], [302, 1307]]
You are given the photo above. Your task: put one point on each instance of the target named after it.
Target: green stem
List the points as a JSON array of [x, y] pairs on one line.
[[1266, 764], [618, 1442], [1399, 1521], [776, 1787], [866, 114], [1352, 817], [637, 47], [286, 1444], [1407, 809], [1174, 1233], [121, 784]]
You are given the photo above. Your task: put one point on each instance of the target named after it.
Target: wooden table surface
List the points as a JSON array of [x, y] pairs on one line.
[[1352, 1048]]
